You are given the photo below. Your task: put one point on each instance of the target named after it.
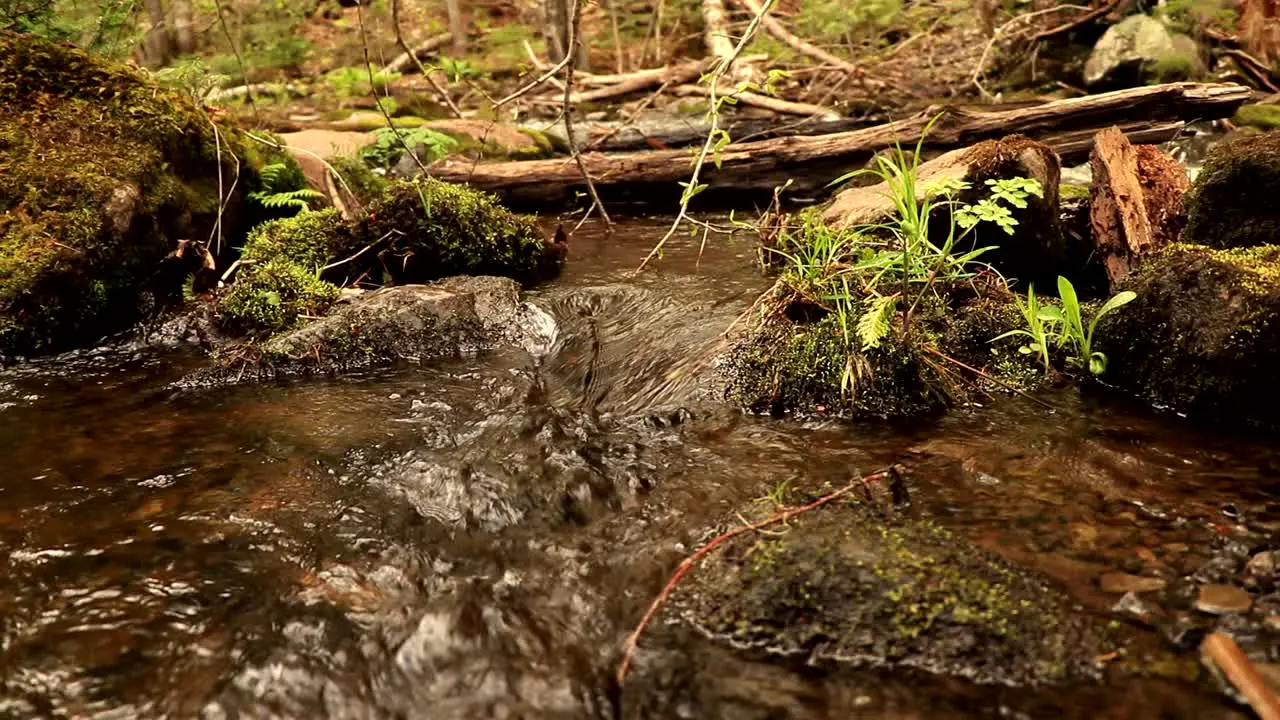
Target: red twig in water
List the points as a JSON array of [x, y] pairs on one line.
[[629, 647]]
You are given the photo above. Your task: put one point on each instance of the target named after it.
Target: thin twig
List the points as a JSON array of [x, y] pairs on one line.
[[1233, 663], [714, 104], [629, 647], [981, 69], [373, 90], [362, 251], [572, 52], [544, 77], [990, 378], [222, 20], [404, 47]]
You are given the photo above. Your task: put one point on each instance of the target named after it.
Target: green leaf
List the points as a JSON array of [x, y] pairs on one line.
[[873, 325]]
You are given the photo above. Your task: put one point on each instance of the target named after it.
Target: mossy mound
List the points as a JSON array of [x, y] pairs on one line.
[[414, 232], [1262, 116], [1232, 202], [102, 172], [843, 585], [1203, 335], [786, 365]]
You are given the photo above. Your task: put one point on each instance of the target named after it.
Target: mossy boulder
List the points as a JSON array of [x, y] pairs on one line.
[[102, 173], [1264, 116], [414, 232], [793, 363], [1232, 203], [1139, 50], [846, 586], [1203, 335]]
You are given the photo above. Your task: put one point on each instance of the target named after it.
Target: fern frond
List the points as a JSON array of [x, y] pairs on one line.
[[873, 325]]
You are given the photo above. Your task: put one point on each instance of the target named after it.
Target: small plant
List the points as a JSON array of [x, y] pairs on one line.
[[458, 70], [192, 76], [275, 194], [1064, 327], [1073, 331], [353, 81], [1038, 332], [1005, 194], [389, 144]]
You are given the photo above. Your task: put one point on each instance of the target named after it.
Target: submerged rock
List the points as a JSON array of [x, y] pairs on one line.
[[846, 586], [1203, 336], [1222, 600], [1232, 202], [1141, 49], [102, 173], [410, 323]]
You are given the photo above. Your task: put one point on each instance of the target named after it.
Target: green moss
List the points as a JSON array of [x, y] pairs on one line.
[[418, 231], [1203, 335], [102, 173], [1232, 202], [846, 584], [359, 178], [1067, 191], [1262, 116]]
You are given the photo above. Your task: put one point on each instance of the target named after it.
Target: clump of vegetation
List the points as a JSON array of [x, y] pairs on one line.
[[353, 81], [1231, 203], [414, 232], [1063, 327], [389, 143], [102, 173]]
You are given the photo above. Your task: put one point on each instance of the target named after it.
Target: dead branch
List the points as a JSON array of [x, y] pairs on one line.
[[643, 80], [413, 56], [633, 640], [572, 52], [779, 31], [408, 59], [1231, 660], [778, 105], [1078, 22]]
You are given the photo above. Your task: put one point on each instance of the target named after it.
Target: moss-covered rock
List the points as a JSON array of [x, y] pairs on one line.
[[414, 232], [1264, 116], [102, 173], [1203, 335], [844, 585], [1232, 201], [786, 365]]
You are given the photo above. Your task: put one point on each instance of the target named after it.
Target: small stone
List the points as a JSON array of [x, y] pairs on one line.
[[1263, 564], [1272, 622], [1176, 547], [1222, 600], [1120, 583]]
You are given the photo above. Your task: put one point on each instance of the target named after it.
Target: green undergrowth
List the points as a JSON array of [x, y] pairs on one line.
[[412, 232]]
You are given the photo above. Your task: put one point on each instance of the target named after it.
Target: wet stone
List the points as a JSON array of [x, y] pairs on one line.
[[1120, 583], [1222, 600], [1263, 564]]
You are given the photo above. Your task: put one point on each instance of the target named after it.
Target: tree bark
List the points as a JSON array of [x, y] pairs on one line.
[[405, 62], [184, 35], [1135, 202], [457, 28], [159, 46], [811, 162]]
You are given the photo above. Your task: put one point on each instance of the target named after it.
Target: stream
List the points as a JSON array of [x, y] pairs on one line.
[[476, 538]]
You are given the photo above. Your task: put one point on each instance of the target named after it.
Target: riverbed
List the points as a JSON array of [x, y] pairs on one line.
[[476, 538]]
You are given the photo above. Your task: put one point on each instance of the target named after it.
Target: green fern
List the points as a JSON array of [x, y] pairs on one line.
[[273, 197], [873, 325]]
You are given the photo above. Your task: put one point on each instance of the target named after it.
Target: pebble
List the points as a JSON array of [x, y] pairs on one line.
[[1222, 600], [1263, 564], [1120, 583], [1272, 622]]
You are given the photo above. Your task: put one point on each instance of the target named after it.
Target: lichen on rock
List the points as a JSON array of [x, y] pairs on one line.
[[1232, 201]]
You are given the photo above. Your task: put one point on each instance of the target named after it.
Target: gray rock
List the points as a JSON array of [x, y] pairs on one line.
[[1141, 49], [1263, 565]]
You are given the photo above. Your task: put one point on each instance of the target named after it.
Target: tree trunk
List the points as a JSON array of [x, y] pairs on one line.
[[158, 43], [556, 33], [457, 28], [184, 35], [811, 162]]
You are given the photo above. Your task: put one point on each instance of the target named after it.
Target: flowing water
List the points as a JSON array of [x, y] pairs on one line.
[[476, 538]]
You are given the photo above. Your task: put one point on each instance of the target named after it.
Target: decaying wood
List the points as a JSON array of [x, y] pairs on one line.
[[1135, 203], [643, 80], [778, 105], [813, 161], [240, 91], [405, 61]]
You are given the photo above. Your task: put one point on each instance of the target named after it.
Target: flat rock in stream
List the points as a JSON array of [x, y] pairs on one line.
[[409, 323], [846, 586]]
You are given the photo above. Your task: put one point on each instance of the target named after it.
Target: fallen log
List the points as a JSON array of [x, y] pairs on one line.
[[1135, 201], [778, 105], [811, 162], [674, 75]]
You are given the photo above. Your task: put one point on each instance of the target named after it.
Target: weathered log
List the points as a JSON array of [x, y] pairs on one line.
[[811, 162], [778, 105], [674, 75], [1135, 203]]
